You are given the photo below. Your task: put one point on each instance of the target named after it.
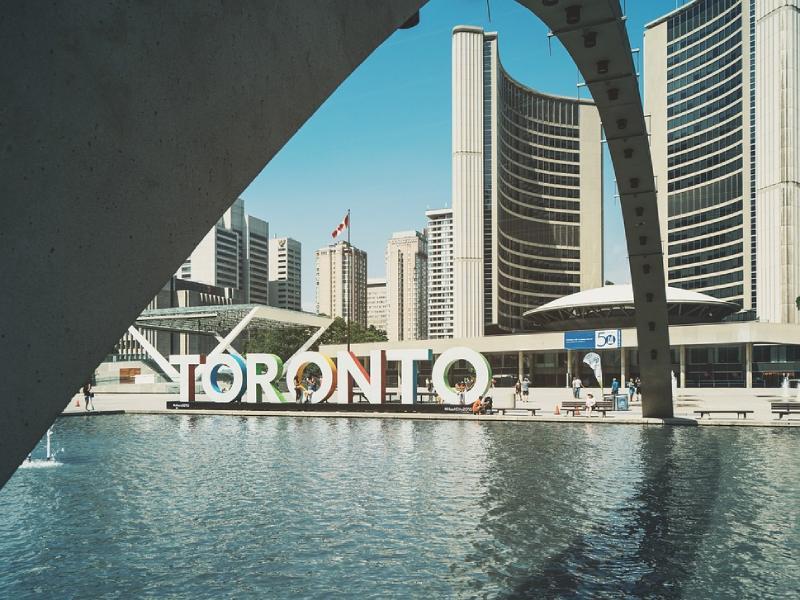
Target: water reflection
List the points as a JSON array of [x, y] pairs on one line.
[[328, 507]]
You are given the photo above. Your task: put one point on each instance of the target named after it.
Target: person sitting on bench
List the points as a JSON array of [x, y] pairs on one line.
[[477, 406], [590, 402], [486, 406]]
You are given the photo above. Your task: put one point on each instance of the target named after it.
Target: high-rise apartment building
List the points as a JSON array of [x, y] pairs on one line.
[[377, 310], [407, 286], [285, 273], [722, 83], [440, 273], [342, 282], [527, 192], [233, 254]]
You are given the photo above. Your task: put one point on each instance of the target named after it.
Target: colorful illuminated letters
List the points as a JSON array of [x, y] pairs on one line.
[[263, 371]]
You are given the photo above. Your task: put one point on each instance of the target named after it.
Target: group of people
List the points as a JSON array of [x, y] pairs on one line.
[[634, 388], [482, 406], [522, 389], [304, 389]]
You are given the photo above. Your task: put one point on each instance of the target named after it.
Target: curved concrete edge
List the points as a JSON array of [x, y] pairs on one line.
[[127, 129], [594, 34], [610, 420]]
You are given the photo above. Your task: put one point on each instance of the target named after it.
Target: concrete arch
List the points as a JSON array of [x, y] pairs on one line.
[[128, 128], [594, 34]]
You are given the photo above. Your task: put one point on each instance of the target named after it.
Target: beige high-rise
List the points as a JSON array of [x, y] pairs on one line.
[[407, 286], [342, 282], [527, 192]]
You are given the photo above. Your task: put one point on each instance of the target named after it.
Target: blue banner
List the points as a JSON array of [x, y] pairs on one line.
[[579, 340], [593, 340]]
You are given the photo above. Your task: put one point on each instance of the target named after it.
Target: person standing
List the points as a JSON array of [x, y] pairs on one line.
[[638, 390], [577, 386], [631, 390], [298, 389], [614, 387], [526, 384], [518, 390], [88, 395]]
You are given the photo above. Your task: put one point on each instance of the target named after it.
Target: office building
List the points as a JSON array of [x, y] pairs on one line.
[[722, 86], [233, 254], [440, 273], [284, 273], [176, 293], [407, 286], [527, 192], [341, 277], [377, 310]]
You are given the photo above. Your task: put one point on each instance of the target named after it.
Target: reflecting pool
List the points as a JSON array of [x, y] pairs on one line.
[[230, 507]]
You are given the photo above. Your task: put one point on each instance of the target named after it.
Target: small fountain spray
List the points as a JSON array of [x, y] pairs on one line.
[[49, 454]]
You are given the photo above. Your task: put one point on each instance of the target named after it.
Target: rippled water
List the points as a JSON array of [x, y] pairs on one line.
[[227, 507]]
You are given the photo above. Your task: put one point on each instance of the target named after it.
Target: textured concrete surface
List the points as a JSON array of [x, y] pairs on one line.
[[126, 129]]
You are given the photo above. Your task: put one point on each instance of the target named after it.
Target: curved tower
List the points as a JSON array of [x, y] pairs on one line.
[[698, 83], [527, 192], [721, 86]]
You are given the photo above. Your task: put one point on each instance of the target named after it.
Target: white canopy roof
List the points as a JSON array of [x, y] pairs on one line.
[[623, 294]]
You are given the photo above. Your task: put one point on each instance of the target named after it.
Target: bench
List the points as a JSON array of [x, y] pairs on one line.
[[430, 395], [785, 408], [742, 413], [576, 406], [530, 411]]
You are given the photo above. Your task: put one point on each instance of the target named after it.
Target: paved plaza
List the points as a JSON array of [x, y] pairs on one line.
[[544, 399]]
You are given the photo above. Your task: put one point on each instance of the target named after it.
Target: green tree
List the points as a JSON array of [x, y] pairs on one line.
[[283, 341], [337, 333]]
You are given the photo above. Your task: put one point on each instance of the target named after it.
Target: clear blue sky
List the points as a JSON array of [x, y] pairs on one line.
[[380, 145]]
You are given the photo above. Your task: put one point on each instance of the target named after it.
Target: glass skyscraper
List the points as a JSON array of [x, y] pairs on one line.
[[721, 89]]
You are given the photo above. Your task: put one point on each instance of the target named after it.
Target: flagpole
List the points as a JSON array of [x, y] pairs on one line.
[[352, 274]]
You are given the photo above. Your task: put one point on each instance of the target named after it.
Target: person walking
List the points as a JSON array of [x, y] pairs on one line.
[[518, 390], [631, 390], [638, 390], [577, 387], [88, 396], [614, 387]]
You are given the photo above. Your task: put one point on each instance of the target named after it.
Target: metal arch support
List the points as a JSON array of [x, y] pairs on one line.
[[594, 34]]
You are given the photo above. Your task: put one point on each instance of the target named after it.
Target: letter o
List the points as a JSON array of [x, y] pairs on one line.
[[441, 369], [211, 374], [327, 368]]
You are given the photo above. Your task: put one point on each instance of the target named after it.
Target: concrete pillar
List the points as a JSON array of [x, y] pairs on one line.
[[682, 360], [748, 362], [112, 111], [531, 362], [623, 363], [570, 373], [520, 365]]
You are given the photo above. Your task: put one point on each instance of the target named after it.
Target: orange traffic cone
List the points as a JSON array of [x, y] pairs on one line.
[[557, 411]]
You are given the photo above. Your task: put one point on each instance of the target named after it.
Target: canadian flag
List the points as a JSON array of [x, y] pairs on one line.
[[341, 226]]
